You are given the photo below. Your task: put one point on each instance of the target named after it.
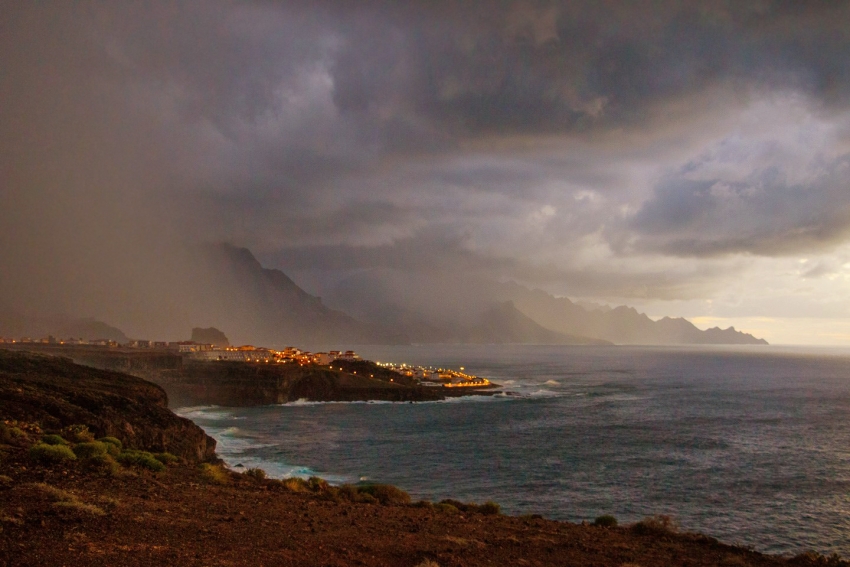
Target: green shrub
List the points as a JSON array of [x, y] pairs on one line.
[[113, 445], [490, 508], [386, 494], [53, 439], [78, 433], [140, 459], [48, 454], [89, 449], [101, 463], [256, 474], [166, 458], [660, 524], [112, 441], [606, 521], [214, 474]]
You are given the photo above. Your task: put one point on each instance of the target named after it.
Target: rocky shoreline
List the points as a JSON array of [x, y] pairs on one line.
[[115, 508]]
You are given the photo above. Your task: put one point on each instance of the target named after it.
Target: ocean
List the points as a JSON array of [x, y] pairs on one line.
[[747, 444]]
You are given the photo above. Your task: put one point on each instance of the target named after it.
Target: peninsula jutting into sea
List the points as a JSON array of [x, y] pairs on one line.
[[194, 372]]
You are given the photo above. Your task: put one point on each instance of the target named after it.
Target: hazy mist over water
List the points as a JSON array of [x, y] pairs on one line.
[[749, 445]]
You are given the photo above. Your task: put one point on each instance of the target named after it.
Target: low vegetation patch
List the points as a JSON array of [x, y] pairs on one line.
[[489, 508], [605, 521], [386, 494], [89, 449], [113, 445], [166, 458], [53, 439], [67, 502], [10, 434], [255, 474], [101, 463], [317, 484], [656, 525], [214, 474], [141, 460], [55, 494], [295, 484], [50, 454]]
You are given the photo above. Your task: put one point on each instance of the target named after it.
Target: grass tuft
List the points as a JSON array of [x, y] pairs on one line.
[[56, 494]]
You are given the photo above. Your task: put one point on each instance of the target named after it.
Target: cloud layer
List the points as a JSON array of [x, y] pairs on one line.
[[593, 149]]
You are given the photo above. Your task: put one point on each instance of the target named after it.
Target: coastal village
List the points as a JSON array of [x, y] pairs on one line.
[[207, 352]]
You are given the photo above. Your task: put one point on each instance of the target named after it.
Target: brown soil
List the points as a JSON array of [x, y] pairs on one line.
[[179, 518]]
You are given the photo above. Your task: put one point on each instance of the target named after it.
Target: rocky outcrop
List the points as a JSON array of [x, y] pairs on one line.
[[55, 392], [211, 336]]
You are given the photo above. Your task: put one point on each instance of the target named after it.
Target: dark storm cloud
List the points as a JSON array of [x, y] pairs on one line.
[[763, 214], [393, 128]]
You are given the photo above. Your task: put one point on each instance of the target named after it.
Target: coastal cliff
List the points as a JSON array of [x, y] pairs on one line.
[[55, 393], [243, 384]]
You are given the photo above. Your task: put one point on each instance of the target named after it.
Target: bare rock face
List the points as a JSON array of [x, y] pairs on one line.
[[55, 392], [210, 336]]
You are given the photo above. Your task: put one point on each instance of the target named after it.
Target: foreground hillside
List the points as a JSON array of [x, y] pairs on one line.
[[108, 502]]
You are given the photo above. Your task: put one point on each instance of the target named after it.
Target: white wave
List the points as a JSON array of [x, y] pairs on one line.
[[205, 412], [545, 394], [551, 383], [303, 402]]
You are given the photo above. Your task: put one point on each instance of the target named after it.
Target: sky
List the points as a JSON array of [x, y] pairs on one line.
[[686, 158]]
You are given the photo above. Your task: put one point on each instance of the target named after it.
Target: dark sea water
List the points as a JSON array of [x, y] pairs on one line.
[[749, 445]]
